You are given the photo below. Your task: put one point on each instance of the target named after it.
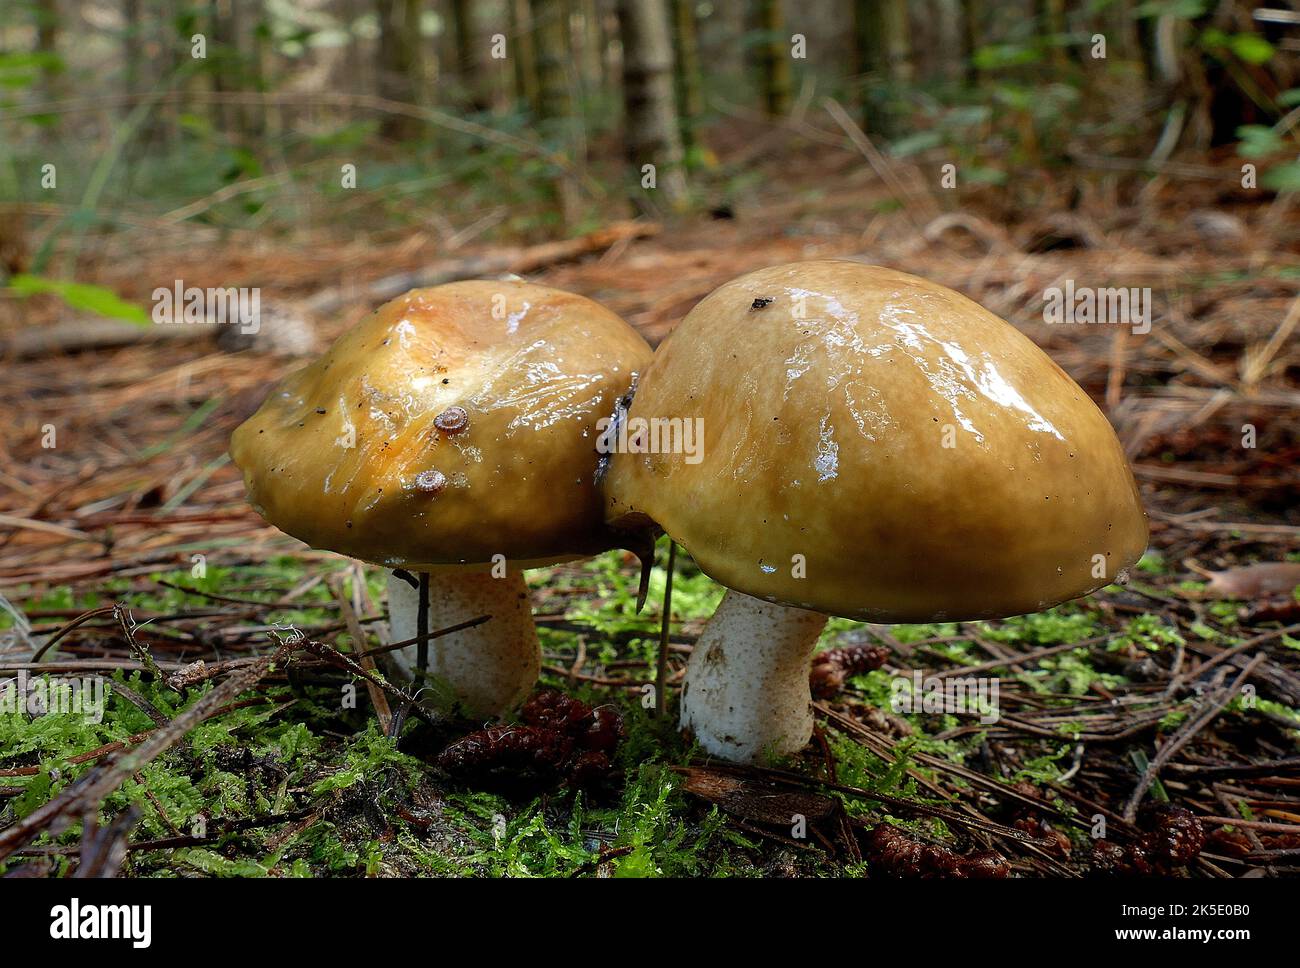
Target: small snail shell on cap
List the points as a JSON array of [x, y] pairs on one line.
[[874, 446], [454, 424], [925, 458], [451, 432]]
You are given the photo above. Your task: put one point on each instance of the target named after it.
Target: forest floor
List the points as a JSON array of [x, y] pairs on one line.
[[1129, 698]]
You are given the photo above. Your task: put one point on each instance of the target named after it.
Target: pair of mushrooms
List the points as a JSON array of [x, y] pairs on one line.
[[874, 446]]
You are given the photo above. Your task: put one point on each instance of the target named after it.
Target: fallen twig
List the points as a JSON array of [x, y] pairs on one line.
[[86, 794]]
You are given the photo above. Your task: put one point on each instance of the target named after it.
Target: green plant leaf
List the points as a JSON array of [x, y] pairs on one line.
[[1251, 48], [916, 143], [1183, 9], [81, 295], [1283, 178], [984, 176], [21, 68], [998, 56], [1257, 140]]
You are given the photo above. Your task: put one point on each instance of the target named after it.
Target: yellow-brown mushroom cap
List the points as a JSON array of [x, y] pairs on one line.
[[879, 447], [452, 425]]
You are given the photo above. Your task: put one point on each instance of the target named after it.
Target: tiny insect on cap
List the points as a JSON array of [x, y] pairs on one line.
[[453, 424], [879, 447]]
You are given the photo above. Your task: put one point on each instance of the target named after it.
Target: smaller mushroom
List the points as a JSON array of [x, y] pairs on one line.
[[452, 439]]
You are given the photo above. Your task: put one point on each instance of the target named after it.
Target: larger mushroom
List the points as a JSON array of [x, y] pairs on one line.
[[876, 447], [451, 435]]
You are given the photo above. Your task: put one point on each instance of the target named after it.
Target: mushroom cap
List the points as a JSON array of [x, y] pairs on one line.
[[912, 455], [452, 425]]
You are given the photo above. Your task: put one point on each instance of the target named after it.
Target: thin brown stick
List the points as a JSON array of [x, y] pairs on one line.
[[54, 815], [661, 668], [1184, 735], [367, 662], [81, 619]]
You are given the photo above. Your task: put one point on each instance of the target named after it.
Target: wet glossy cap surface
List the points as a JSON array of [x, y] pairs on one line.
[[879, 447], [454, 424]]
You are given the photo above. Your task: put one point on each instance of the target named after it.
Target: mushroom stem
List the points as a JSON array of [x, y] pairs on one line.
[[490, 667], [746, 694]]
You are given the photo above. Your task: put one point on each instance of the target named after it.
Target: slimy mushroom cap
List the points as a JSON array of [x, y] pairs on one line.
[[878, 447], [454, 424]]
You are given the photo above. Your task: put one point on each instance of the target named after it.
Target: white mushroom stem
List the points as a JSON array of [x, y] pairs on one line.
[[746, 694], [490, 667]]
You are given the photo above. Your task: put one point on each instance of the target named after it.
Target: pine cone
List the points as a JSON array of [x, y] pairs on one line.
[[832, 668], [560, 737], [898, 855], [1040, 829], [593, 729], [1172, 838], [554, 710], [529, 748]]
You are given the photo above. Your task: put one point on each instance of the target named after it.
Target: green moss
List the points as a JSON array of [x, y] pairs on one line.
[[360, 807], [1071, 673], [1149, 632]]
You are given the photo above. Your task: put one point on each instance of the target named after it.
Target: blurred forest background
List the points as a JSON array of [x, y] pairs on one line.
[[179, 122], [334, 153]]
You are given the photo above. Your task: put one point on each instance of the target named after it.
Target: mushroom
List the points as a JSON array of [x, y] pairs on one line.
[[877, 447], [453, 435]]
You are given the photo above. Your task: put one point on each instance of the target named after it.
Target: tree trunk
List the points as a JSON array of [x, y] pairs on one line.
[[1054, 24], [551, 18], [611, 55], [150, 65], [974, 36], [354, 74], [726, 50], [686, 54], [898, 52], [950, 25], [1128, 44], [173, 53], [883, 59], [593, 51], [467, 59], [48, 26], [224, 51], [650, 117], [524, 54], [399, 66], [774, 58], [267, 117], [132, 49], [561, 122]]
